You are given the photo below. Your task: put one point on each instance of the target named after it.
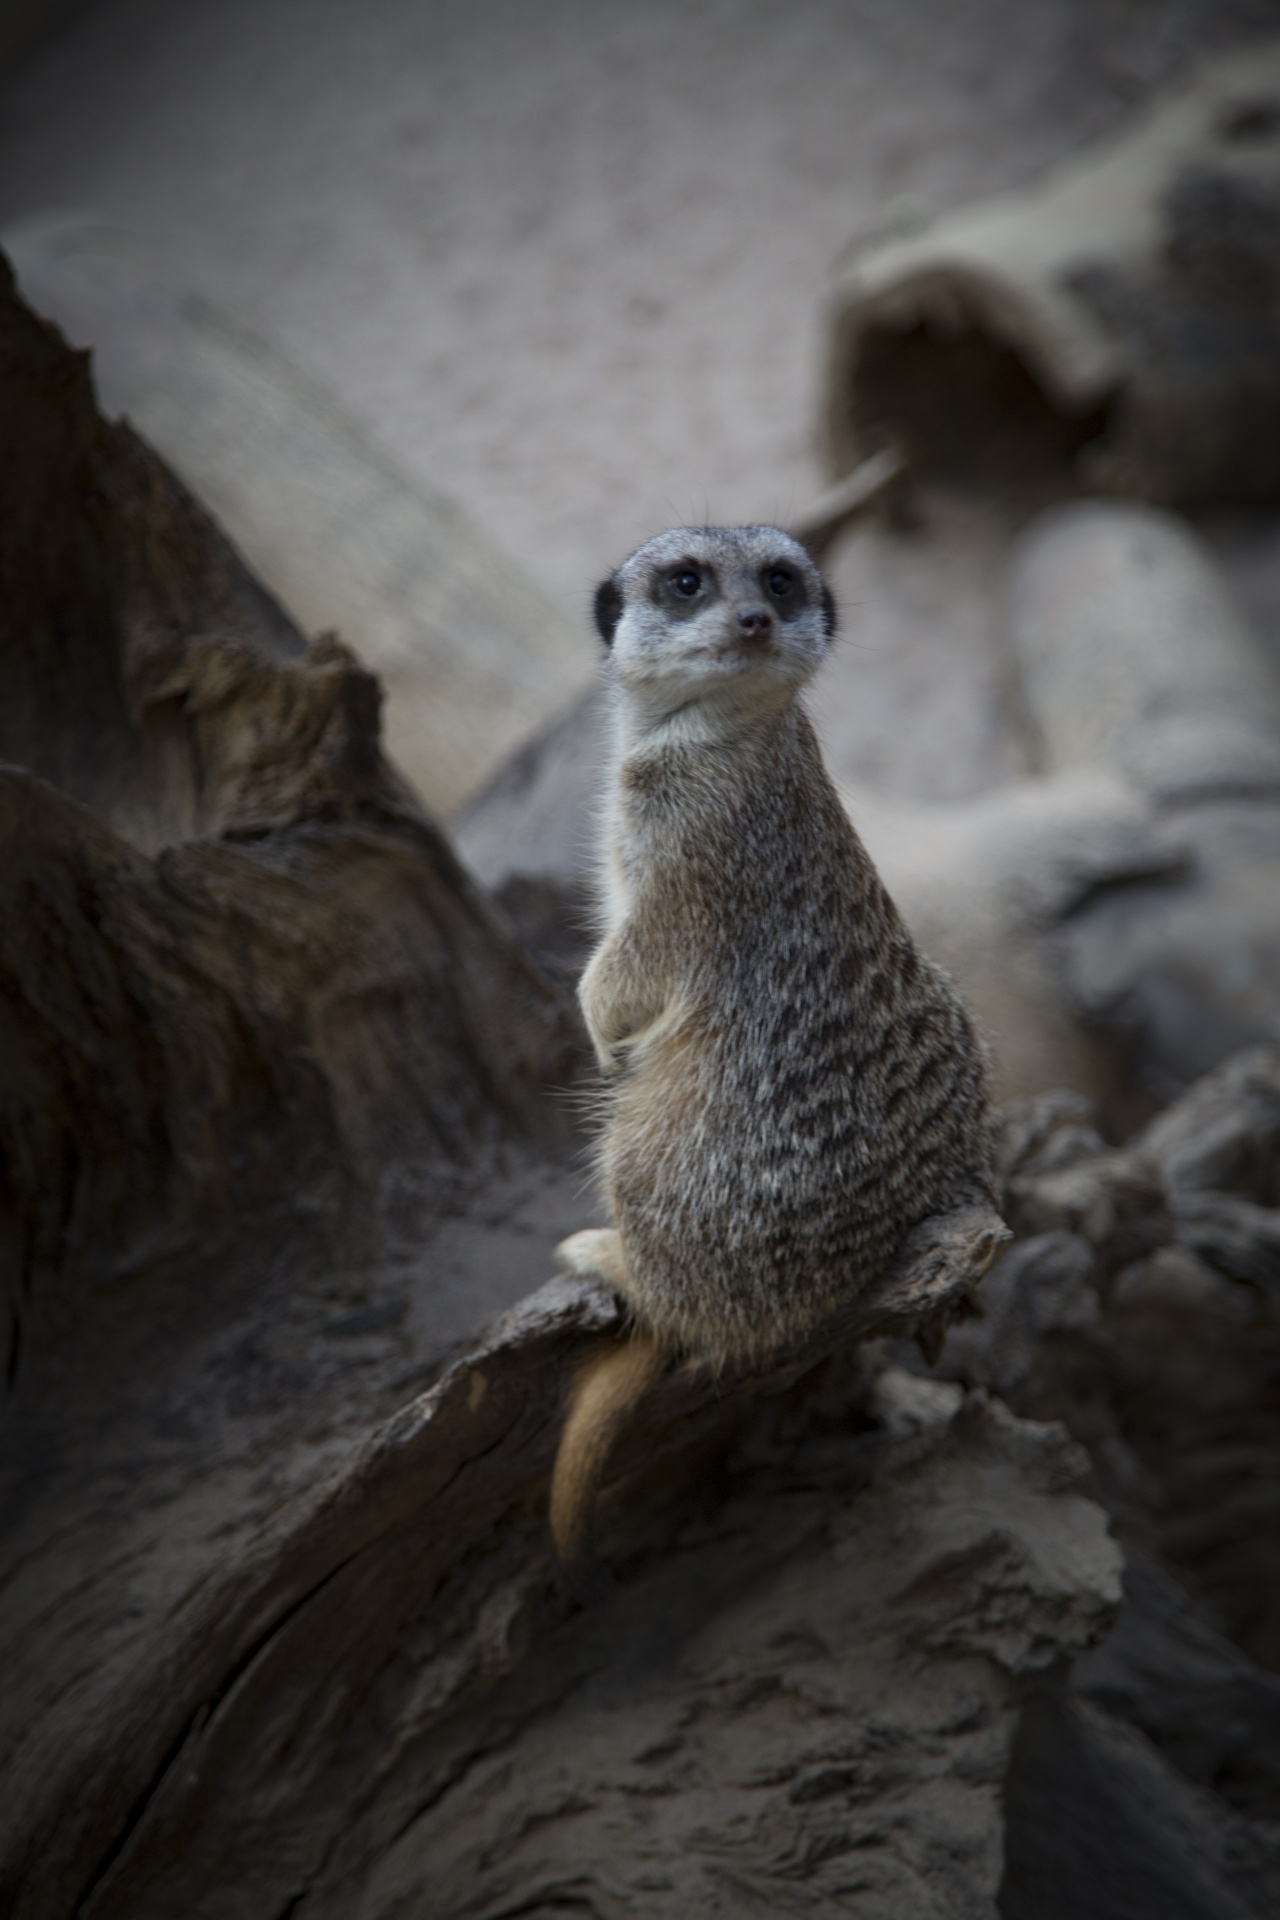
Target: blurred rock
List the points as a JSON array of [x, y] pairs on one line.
[[1155, 1790], [1044, 1284], [985, 883], [1118, 319], [1133, 662], [472, 654], [1132, 656], [537, 814], [1203, 1703], [24, 22], [1149, 1321], [1100, 1825], [1152, 1784], [1223, 1135]]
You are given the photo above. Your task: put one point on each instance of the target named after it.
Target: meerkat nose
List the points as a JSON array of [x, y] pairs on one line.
[[754, 622]]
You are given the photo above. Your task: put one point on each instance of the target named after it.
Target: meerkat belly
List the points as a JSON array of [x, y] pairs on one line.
[[753, 1174]]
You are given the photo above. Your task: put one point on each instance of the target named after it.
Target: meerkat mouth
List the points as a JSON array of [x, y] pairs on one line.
[[738, 653]]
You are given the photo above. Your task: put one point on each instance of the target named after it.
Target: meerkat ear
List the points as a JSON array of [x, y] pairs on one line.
[[608, 608], [829, 615]]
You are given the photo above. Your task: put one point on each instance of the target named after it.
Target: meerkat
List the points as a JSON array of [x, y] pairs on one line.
[[790, 1086]]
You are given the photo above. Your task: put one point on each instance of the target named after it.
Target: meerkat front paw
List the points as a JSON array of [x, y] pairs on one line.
[[595, 1254]]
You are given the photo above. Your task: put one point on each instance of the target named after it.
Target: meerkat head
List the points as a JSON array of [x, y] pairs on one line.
[[732, 617]]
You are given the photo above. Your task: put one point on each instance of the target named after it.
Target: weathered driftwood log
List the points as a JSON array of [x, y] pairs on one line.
[[1120, 316], [358, 1683], [281, 1096]]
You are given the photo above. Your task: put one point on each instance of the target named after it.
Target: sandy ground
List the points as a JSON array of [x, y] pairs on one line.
[[567, 259]]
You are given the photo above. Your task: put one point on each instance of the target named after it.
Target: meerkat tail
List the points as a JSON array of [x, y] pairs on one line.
[[609, 1386]]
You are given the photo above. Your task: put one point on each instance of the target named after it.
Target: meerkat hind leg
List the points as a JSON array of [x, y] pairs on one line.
[[595, 1254]]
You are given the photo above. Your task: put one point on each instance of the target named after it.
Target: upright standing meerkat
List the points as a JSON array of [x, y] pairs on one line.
[[791, 1086]]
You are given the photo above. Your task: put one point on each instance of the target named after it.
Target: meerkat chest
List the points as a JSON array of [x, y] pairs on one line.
[[732, 866]]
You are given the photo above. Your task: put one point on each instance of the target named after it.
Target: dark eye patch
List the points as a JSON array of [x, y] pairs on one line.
[[780, 581], [608, 608]]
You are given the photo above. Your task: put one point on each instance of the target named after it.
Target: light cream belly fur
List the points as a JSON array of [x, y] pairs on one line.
[[667, 1163]]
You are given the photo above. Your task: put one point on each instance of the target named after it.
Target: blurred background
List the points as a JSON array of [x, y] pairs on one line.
[[565, 260], [566, 265]]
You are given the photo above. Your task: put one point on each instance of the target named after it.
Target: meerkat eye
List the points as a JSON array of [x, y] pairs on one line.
[[686, 582], [780, 581]]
